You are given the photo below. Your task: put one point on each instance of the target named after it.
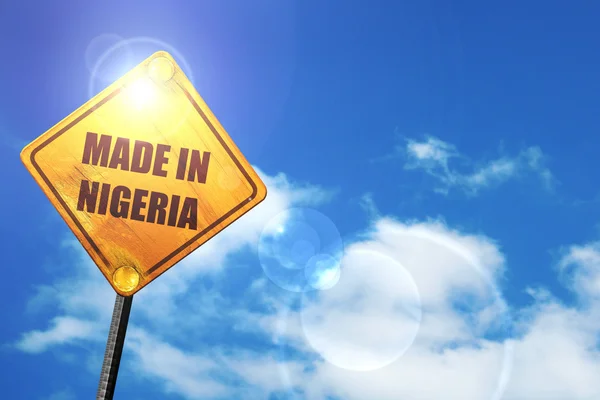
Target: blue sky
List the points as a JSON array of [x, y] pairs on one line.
[[450, 146]]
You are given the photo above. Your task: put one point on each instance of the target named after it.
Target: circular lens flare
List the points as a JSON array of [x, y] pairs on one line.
[[161, 69], [369, 318], [125, 54], [322, 272], [106, 69], [330, 318], [297, 248]]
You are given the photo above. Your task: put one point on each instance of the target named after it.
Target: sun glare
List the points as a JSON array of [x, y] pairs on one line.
[[141, 92]]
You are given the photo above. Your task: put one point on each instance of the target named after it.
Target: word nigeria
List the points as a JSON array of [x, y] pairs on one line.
[[123, 202]]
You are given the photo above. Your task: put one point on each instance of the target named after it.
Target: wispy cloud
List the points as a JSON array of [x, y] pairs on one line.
[[181, 372], [455, 171], [580, 269], [63, 330], [368, 205]]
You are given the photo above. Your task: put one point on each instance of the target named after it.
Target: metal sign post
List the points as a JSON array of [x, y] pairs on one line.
[[114, 348]]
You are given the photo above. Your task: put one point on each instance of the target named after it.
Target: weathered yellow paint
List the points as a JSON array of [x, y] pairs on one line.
[[156, 103]]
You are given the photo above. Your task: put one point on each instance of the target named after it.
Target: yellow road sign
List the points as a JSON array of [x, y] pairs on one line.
[[143, 174]]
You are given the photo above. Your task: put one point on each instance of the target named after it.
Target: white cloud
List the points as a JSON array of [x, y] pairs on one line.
[[432, 152], [435, 157], [556, 358], [183, 373], [368, 322], [63, 330], [269, 377], [580, 267], [457, 350], [554, 354]]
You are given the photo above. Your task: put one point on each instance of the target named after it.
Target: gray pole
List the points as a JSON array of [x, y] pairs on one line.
[[114, 348]]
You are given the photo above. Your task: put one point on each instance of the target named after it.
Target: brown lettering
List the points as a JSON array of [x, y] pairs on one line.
[[87, 196], [138, 203], [181, 166], [156, 208], [120, 155], [96, 149], [189, 214], [198, 168], [160, 159], [118, 208], [137, 163], [160, 208], [173, 211], [103, 205]]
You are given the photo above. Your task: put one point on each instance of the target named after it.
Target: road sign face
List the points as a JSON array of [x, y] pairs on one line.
[[143, 174]]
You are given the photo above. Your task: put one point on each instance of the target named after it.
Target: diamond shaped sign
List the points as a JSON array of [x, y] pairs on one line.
[[143, 174]]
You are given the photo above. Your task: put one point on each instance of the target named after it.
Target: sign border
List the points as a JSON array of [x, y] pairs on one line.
[[181, 248]]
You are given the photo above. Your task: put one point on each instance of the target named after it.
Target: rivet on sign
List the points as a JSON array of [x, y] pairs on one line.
[[126, 278], [161, 68]]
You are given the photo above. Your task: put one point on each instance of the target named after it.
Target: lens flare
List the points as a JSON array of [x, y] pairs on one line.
[[322, 272], [300, 249], [161, 69], [369, 319], [141, 93], [119, 57], [105, 69]]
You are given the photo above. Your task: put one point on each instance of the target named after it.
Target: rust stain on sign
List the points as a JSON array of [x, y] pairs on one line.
[[143, 174]]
